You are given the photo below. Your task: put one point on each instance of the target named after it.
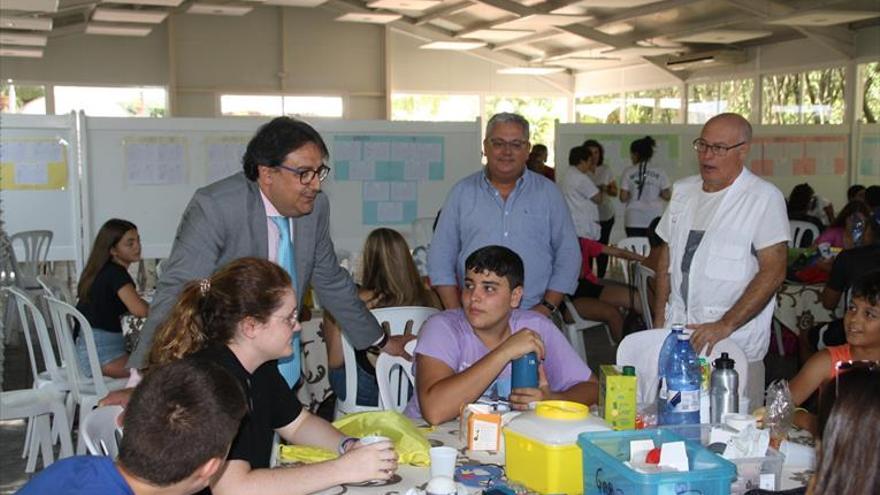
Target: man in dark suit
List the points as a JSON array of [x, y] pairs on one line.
[[232, 218]]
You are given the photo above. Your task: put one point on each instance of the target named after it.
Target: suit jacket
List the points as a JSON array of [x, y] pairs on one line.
[[225, 221]]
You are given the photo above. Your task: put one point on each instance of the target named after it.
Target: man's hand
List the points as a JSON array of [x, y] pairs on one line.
[[522, 343], [540, 308], [520, 398], [395, 345], [709, 334]]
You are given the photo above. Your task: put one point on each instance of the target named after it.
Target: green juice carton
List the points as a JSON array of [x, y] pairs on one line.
[[617, 396]]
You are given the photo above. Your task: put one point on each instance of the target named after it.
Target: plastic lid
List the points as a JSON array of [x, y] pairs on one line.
[[629, 371], [551, 431], [724, 362], [561, 409]]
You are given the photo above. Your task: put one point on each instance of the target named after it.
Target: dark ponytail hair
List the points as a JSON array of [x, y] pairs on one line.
[[644, 151], [208, 311]]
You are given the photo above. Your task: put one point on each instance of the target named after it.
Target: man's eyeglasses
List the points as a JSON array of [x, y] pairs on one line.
[[290, 320], [307, 175], [702, 146], [515, 145]]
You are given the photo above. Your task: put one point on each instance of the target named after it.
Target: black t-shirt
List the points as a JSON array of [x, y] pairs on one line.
[[271, 404], [104, 308], [851, 264]]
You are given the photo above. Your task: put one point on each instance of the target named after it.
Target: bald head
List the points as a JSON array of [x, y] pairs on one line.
[[733, 120]]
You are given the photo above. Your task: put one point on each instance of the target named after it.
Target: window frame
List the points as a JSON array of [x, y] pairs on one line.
[[218, 103]]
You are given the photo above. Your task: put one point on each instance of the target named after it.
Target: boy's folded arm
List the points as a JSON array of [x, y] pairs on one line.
[[442, 392]]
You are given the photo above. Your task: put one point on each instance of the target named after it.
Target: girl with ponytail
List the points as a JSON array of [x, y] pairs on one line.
[[643, 188], [243, 317]]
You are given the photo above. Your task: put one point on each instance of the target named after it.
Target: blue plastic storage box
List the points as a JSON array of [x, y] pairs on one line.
[[605, 474]]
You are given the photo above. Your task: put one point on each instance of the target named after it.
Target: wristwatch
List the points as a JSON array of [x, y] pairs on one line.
[[547, 304]]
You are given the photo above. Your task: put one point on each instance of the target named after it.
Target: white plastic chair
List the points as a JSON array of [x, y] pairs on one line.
[[46, 375], [638, 245], [401, 320], [642, 350], [574, 330], [39, 404], [35, 245], [394, 390], [100, 431], [86, 392], [799, 229], [644, 273], [52, 287], [45, 371]]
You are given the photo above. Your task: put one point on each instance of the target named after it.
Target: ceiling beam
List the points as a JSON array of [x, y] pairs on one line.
[[532, 38], [639, 11], [838, 39], [443, 11]]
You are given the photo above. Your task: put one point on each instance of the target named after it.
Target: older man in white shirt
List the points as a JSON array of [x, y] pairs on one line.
[[726, 232]]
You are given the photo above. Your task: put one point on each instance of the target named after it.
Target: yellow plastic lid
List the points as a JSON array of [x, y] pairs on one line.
[[561, 409]]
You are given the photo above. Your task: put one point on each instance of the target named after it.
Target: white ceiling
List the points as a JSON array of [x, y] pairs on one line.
[[573, 34]]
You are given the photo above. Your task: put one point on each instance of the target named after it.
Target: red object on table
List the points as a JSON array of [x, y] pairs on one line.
[[653, 456]]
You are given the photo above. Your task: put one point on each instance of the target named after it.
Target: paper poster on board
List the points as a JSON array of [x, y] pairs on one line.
[[33, 164]]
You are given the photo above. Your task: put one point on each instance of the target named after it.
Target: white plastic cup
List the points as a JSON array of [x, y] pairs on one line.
[[443, 461], [798, 455]]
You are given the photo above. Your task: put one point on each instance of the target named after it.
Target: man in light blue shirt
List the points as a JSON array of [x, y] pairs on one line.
[[508, 205]]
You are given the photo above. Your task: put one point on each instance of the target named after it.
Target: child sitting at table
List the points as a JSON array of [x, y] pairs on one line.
[[464, 354], [244, 317], [106, 292], [179, 425], [862, 326]]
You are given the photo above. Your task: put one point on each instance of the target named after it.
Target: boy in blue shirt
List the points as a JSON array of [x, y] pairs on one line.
[[179, 425]]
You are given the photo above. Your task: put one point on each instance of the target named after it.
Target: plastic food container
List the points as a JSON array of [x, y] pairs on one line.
[[750, 471], [541, 450], [604, 472]]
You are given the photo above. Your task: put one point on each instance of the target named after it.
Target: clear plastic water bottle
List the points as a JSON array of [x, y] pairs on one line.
[[663, 361], [858, 231], [683, 378]]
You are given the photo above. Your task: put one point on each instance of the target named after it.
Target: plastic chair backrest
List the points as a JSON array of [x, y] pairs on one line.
[[35, 245], [101, 431], [573, 330], [643, 273], [52, 287], [29, 313], [394, 376], [799, 237], [638, 245], [63, 315], [642, 350], [400, 320]]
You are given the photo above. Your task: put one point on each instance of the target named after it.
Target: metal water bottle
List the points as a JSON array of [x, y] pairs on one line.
[[723, 389]]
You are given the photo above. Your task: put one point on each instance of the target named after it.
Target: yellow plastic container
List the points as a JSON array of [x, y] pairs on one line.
[[541, 450]]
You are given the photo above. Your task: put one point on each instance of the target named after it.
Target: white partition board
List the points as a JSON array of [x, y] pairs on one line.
[[157, 207], [37, 209]]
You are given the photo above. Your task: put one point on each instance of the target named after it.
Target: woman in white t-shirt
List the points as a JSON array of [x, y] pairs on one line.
[[604, 180], [581, 195], [643, 188]]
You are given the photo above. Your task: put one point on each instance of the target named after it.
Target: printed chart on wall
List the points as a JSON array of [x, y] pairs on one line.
[[33, 164], [616, 147], [869, 155], [390, 169], [224, 154], [157, 160], [790, 156]]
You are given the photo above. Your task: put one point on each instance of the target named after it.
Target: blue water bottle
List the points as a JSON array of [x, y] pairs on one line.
[[683, 385], [524, 371], [665, 354]]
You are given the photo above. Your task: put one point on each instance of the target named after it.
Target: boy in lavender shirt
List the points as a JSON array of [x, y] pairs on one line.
[[464, 354]]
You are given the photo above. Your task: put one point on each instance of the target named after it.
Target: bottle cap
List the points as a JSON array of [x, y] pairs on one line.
[[724, 362], [629, 371]]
